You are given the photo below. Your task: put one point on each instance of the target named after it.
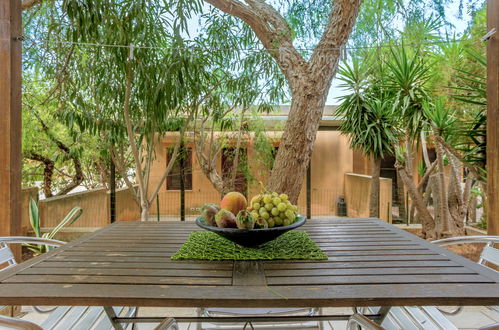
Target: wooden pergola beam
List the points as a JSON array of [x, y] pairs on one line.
[[10, 117], [493, 119]]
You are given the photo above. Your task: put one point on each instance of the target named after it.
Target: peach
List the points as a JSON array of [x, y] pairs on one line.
[[234, 202]]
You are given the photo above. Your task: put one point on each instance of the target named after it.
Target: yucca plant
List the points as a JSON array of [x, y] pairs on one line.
[[407, 77], [34, 219], [472, 91]]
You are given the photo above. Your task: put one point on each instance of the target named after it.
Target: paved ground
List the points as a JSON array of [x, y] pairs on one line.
[[469, 318]]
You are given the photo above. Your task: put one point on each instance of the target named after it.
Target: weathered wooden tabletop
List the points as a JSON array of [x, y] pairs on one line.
[[370, 263]]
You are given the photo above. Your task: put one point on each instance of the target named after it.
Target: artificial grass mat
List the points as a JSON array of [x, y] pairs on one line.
[[205, 245]]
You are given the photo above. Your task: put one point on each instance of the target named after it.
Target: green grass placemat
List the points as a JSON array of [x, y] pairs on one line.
[[205, 245]]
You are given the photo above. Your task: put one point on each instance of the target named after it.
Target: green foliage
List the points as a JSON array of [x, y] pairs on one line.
[[406, 79], [34, 219], [441, 117], [368, 116]]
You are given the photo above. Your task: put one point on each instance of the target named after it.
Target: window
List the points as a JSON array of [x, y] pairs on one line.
[[173, 180]]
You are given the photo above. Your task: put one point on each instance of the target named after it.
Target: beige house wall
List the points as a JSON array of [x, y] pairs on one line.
[[95, 205], [93, 202], [358, 192]]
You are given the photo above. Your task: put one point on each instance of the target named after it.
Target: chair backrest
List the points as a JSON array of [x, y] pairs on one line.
[[489, 253], [6, 256]]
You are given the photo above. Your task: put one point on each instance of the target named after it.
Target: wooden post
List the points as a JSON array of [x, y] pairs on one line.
[[309, 189], [182, 180], [493, 119], [10, 114], [112, 193]]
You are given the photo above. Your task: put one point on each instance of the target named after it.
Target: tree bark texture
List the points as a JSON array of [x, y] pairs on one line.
[[374, 198], [48, 171], [440, 199], [401, 198], [427, 220], [309, 81]]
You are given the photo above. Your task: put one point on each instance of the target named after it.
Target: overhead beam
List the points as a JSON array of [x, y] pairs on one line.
[[493, 119], [10, 117]]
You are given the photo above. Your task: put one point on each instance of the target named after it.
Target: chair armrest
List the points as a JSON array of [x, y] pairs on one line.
[[490, 327], [364, 322], [14, 323], [31, 240], [454, 311], [466, 239]]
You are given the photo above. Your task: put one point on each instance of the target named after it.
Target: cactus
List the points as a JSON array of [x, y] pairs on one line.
[[244, 220], [261, 223], [208, 211], [225, 219]]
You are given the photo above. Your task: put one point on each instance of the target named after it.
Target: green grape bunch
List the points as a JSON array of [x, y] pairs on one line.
[[272, 209]]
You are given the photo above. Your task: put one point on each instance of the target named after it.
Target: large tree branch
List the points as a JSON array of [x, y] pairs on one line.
[[272, 30], [48, 170], [27, 4], [326, 55]]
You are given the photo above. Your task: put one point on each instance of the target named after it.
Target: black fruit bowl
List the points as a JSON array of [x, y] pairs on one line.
[[253, 237]]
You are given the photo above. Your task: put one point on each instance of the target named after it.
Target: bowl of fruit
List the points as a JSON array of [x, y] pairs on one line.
[[268, 216]]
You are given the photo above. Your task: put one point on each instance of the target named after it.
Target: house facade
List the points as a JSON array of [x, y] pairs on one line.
[[331, 160]]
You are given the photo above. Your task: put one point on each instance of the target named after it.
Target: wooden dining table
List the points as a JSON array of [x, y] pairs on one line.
[[370, 263]]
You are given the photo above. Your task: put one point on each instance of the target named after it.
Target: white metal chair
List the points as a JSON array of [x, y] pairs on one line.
[[63, 317], [489, 254], [432, 317], [250, 313]]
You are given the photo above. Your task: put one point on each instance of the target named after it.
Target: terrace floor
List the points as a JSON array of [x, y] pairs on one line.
[[470, 318]]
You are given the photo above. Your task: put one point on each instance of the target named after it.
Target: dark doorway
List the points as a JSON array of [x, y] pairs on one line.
[[388, 171], [228, 155]]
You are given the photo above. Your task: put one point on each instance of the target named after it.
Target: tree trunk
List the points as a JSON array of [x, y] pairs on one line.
[[144, 211], [471, 216], [425, 216], [298, 139], [442, 201], [401, 198], [374, 200]]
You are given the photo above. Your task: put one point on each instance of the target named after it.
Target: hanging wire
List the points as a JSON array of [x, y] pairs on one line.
[[341, 48]]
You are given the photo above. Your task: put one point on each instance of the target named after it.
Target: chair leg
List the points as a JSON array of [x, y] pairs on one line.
[[135, 313], [199, 324], [167, 324], [320, 312], [112, 318]]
